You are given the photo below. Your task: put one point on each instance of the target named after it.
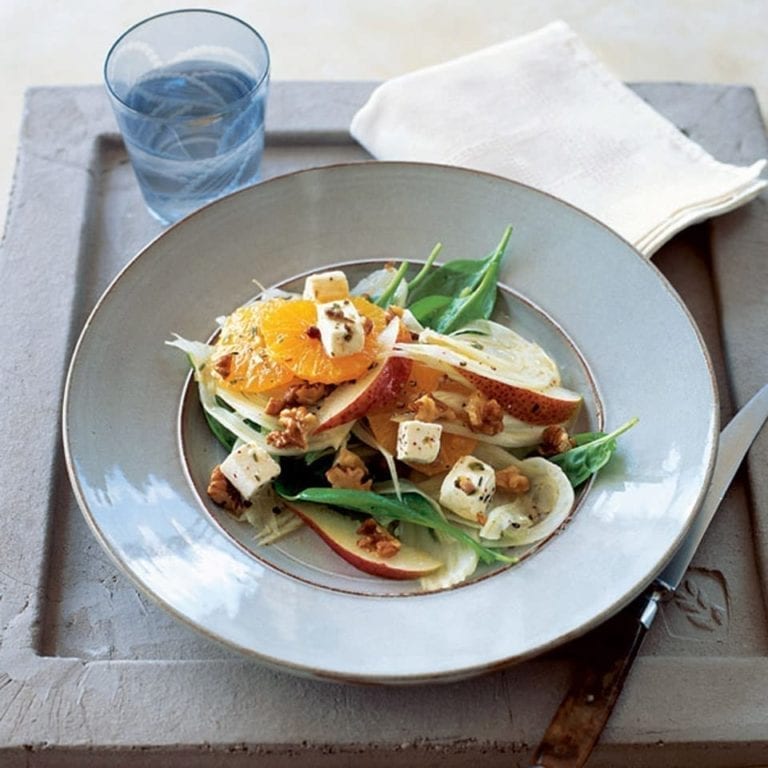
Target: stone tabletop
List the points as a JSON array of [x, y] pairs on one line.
[[92, 673]]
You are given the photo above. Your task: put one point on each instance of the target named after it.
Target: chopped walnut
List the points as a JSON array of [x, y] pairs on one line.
[[275, 405], [485, 416], [554, 440], [512, 479], [296, 424], [465, 484], [367, 325], [378, 540], [223, 365], [223, 493], [303, 393], [349, 471], [425, 408]]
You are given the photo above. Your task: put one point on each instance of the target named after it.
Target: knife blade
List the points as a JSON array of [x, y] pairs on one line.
[[604, 657]]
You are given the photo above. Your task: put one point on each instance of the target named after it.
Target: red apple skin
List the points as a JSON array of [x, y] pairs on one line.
[[531, 406], [340, 534], [379, 387]]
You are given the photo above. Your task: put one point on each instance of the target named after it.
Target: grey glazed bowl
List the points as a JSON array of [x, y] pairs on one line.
[[581, 282]]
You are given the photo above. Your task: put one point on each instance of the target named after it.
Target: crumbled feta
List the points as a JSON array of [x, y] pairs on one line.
[[468, 488], [341, 328], [249, 468], [418, 441], [327, 286]]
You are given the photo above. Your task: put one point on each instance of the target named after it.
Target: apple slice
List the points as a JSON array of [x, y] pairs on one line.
[[379, 387], [554, 405], [339, 532]]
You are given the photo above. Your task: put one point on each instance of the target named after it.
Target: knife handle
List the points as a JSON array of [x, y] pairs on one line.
[[604, 658]]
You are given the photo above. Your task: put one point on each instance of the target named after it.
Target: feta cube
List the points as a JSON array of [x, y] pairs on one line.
[[249, 468], [327, 286], [418, 441], [341, 328], [468, 488]]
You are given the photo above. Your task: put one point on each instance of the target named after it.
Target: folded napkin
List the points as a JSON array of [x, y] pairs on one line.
[[543, 110]]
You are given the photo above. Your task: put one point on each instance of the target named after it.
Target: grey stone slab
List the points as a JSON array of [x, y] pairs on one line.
[[92, 673]]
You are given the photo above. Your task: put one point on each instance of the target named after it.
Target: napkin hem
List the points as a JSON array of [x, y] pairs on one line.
[[612, 156]]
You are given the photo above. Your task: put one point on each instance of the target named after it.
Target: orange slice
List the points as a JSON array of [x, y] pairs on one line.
[[452, 447], [241, 327], [241, 362], [285, 326], [423, 380], [250, 370]]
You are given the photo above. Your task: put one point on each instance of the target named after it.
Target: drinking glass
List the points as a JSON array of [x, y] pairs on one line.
[[189, 91]]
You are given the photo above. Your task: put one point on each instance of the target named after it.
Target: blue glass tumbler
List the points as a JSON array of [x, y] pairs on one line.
[[189, 92]]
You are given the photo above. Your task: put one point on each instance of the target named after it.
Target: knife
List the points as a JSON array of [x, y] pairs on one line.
[[605, 656]]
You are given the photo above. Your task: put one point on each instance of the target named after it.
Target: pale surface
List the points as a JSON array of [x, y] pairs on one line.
[[93, 674], [49, 42]]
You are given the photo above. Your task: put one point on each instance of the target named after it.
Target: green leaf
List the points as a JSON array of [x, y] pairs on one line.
[[427, 309], [586, 437], [450, 279], [414, 284], [221, 433], [296, 473], [311, 457], [459, 292], [412, 508], [386, 298], [592, 451]]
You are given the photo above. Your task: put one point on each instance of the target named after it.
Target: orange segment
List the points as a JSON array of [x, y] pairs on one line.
[[422, 381], [452, 447], [285, 326], [251, 371], [241, 362], [242, 326]]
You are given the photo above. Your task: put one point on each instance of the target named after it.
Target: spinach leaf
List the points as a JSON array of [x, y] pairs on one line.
[[427, 309], [413, 285], [592, 451], [450, 279], [296, 473], [220, 432], [464, 290], [385, 299], [310, 457], [412, 509]]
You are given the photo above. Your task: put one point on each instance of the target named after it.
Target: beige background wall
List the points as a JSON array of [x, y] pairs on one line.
[[60, 42]]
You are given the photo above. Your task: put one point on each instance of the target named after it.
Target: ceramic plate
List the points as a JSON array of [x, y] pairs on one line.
[[138, 452]]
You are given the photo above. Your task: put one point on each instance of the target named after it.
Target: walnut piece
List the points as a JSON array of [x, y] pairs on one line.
[[512, 479], [223, 493], [303, 393], [223, 365], [484, 415], [377, 540], [425, 408], [296, 424], [349, 471], [554, 440]]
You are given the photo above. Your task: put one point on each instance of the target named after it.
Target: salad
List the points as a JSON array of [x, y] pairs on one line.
[[416, 436]]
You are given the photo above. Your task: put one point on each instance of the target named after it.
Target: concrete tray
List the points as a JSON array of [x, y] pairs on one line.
[[92, 673]]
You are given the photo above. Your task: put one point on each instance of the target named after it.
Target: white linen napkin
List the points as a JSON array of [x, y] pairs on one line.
[[543, 110]]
